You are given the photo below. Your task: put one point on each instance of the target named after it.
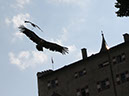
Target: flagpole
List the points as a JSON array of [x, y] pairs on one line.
[[52, 63]]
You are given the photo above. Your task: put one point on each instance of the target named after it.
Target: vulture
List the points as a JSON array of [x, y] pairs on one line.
[[34, 25], [41, 43]]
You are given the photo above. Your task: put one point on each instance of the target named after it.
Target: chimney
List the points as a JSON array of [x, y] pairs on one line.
[[84, 53], [126, 37]]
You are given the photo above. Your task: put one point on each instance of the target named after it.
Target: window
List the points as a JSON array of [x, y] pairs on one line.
[[84, 71], [52, 83], [127, 75], [76, 75], [80, 73], [56, 82], [123, 56], [98, 86], [78, 92], [114, 60], [118, 59], [49, 84], [104, 64], [107, 83], [118, 79], [122, 77], [103, 85], [83, 92]]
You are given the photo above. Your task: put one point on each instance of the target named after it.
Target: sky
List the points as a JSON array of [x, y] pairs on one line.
[[75, 24]]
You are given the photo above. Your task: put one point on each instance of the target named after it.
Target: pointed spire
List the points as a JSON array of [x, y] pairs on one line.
[[104, 46]]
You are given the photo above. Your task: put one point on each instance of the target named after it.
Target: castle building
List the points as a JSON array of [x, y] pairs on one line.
[[103, 74]]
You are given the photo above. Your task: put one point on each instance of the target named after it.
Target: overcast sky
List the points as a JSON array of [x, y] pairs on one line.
[[72, 23]]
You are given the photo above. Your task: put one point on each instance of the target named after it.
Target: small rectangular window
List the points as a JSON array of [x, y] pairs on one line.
[[80, 73], [52, 83], [78, 92], [123, 56], [56, 82], [107, 83], [84, 71], [102, 85], [48, 84], [83, 93], [127, 75], [119, 58], [114, 60], [98, 86], [123, 77], [118, 79], [104, 64], [76, 75]]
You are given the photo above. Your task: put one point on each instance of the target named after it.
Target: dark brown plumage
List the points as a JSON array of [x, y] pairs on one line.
[[41, 42]]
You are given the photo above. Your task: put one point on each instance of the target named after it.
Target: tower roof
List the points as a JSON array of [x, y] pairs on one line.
[[104, 46]]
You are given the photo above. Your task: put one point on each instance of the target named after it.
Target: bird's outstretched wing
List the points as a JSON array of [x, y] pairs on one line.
[[30, 34], [55, 47], [41, 42], [34, 25]]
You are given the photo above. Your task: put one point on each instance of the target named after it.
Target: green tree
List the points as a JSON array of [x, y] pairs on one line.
[[123, 8]]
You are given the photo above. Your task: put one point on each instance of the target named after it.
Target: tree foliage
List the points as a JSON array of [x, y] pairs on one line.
[[123, 8]]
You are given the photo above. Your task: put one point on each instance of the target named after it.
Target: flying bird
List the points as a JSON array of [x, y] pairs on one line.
[[34, 25], [41, 43]]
